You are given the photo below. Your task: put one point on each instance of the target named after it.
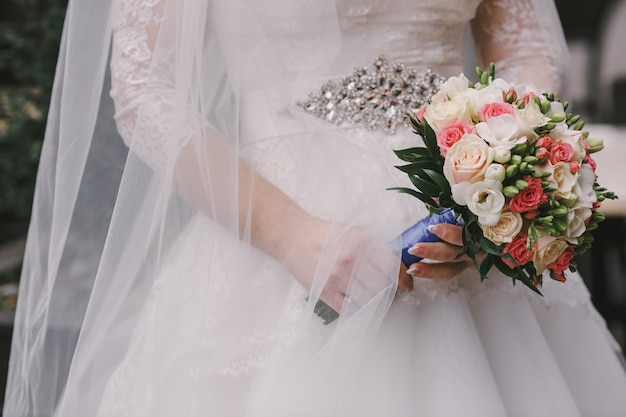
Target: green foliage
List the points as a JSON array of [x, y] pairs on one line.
[[30, 32]]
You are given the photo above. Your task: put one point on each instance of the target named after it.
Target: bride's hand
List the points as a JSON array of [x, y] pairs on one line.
[[447, 263], [347, 266]]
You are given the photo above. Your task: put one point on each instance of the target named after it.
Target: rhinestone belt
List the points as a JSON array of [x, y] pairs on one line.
[[374, 97]]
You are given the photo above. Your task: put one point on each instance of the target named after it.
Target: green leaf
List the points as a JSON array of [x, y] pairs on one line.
[[417, 166], [489, 247], [424, 185], [486, 265], [439, 180], [430, 140], [423, 197], [412, 154]]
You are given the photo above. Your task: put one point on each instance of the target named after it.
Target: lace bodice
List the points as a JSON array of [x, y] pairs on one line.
[[286, 48]]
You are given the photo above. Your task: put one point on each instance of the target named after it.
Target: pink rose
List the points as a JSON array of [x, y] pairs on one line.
[[561, 152], [544, 142], [530, 198], [490, 110], [562, 263], [419, 114], [451, 134], [517, 249], [589, 160], [574, 167]]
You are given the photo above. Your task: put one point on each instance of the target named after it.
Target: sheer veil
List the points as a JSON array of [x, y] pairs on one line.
[[149, 121]]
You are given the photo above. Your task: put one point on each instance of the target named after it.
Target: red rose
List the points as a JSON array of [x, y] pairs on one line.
[[561, 152], [517, 249], [490, 110], [530, 198], [451, 134], [562, 263]]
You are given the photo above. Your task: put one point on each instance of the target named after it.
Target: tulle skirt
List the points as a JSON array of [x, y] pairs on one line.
[[227, 331]]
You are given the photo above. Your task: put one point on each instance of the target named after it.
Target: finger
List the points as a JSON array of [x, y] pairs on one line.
[[438, 251], [405, 281], [447, 270], [450, 233]]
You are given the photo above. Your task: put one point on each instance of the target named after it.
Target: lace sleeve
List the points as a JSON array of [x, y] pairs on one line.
[[525, 40], [142, 77]]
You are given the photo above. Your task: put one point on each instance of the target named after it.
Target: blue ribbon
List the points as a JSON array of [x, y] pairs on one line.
[[419, 233]]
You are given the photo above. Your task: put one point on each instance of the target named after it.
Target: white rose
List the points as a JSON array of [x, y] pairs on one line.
[[576, 223], [548, 250], [485, 199], [565, 181], [440, 114], [501, 131], [467, 160], [532, 115], [495, 171], [455, 85], [584, 187], [509, 226]]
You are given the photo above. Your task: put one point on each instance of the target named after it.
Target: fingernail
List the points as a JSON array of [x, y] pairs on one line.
[[433, 228], [415, 250], [414, 270]]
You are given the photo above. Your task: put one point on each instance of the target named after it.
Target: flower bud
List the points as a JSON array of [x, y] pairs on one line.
[[565, 105], [573, 119], [516, 159], [579, 125], [544, 106], [559, 211], [558, 116], [560, 225], [550, 126], [523, 167], [542, 153], [510, 191], [544, 142], [495, 172], [520, 148], [511, 171], [574, 167], [521, 184], [531, 159], [502, 155], [510, 96], [595, 144]]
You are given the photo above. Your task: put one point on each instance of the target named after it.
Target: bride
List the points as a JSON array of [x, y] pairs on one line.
[[195, 233]]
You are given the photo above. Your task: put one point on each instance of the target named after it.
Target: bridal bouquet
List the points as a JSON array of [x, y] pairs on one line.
[[514, 168]]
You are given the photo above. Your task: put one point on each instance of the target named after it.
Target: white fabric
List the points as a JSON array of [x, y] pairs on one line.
[[144, 291]]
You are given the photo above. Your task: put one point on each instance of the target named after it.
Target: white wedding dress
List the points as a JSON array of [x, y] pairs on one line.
[[225, 330]]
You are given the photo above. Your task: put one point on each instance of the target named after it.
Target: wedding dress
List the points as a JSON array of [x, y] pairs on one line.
[[142, 294]]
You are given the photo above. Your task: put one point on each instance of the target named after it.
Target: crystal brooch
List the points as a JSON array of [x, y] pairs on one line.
[[375, 97]]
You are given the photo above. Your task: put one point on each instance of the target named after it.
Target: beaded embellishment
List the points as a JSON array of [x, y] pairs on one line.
[[374, 97]]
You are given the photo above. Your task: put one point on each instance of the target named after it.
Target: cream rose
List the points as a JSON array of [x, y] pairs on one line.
[[467, 160], [565, 180], [509, 226], [485, 199], [548, 250], [440, 114]]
